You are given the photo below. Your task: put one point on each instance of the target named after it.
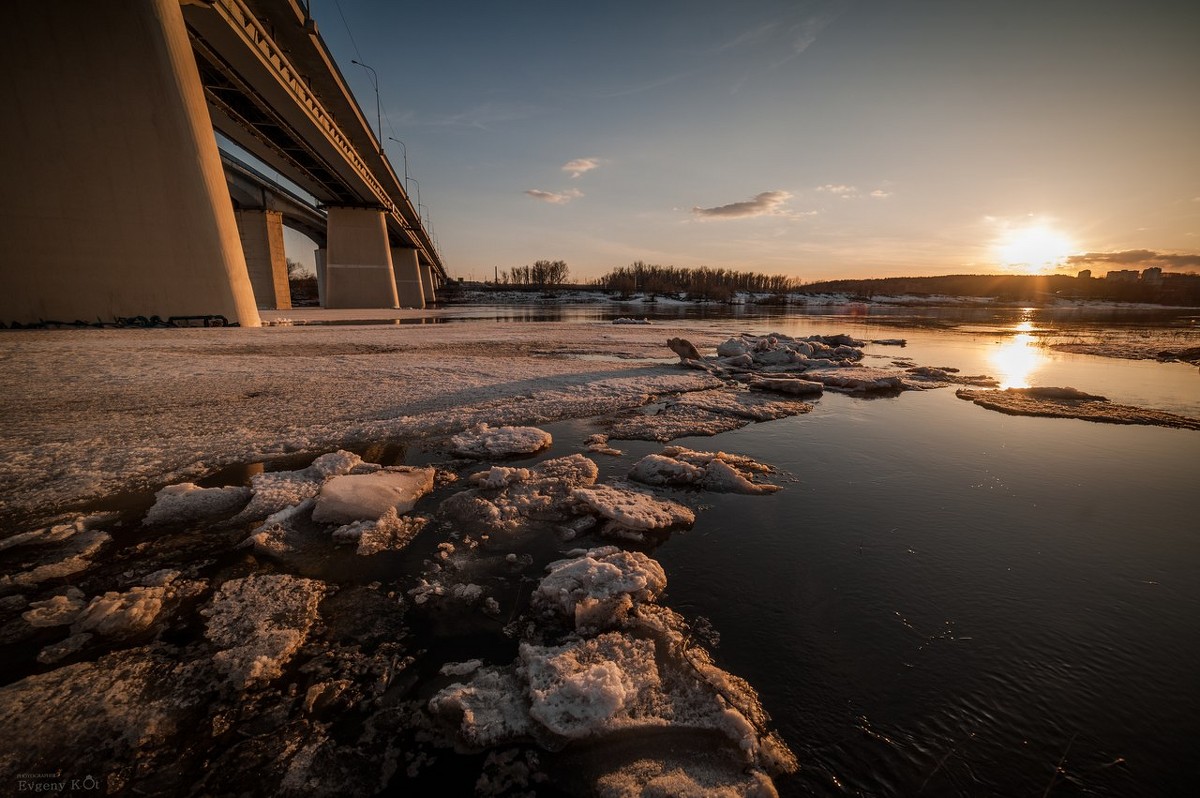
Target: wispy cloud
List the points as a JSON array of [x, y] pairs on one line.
[[839, 189], [480, 117], [553, 197], [745, 37], [805, 33], [579, 166], [768, 203], [880, 194]]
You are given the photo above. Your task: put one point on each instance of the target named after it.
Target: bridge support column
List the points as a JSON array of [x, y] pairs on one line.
[[408, 278], [113, 202], [427, 284], [319, 260], [262, 244], [358, 260]]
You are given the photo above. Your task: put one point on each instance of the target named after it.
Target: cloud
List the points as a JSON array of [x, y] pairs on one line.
[[804, 34], [768, 203], [880, 194], [578, 166], [838, 189], [1138, 257], [555, 198]]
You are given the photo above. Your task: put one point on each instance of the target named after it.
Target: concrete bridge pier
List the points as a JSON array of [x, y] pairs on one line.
[[114, 201], [408, 278], [261, 232], [319, 260], [358, 260], [427, 283]]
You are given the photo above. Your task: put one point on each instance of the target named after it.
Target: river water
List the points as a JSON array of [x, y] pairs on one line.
[[944, 600]]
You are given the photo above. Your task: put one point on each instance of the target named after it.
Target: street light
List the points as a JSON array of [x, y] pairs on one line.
[[378, 115], [403, 149], [418, 182]]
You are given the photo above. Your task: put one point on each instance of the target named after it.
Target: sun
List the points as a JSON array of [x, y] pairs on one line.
[[1033, 249]]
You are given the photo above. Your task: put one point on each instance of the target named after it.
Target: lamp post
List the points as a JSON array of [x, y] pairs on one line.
[[378, 115], [404, 150], [418, 182]]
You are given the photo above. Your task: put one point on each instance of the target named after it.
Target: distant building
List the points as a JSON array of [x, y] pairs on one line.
[[1123, 276], [1153, 276], [1085, 274]]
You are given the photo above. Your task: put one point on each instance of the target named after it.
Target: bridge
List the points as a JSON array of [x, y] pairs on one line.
[[116, 200]]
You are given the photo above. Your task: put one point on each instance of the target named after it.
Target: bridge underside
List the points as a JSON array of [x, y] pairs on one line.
[[117, 202], [114, 201]]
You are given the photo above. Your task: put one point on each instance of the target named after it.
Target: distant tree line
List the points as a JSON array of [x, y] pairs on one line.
[[1174, 289], [542, 273], [694, 283]]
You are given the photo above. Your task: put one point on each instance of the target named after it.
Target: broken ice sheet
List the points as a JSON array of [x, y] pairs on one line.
[[704, 413], [716, 471], [507, 498], [483, 442], [1054, 402]]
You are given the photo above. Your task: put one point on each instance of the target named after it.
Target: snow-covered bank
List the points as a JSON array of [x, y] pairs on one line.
[[92, 412]]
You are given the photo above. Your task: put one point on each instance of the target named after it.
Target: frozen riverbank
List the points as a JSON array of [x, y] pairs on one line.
[[91, 412]]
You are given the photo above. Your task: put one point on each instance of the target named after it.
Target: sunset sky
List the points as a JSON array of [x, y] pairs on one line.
[[815, 139]]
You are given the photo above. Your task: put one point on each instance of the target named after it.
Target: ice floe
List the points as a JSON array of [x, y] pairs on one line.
[[389, 532], [189, 502], [59, 551], [716, 471], [1055, 402], [258, 623], [707, 413], [506, 498], [347, 498], [631, 513], [596, 589], [274, 491], [483, 442]]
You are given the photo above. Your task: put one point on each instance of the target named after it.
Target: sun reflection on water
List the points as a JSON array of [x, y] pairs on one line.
[[1018, 358]]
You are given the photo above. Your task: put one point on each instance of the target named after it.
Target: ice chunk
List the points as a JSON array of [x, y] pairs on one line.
[[633, 509], [69, 559], [857, 380], [501, 476], [259, 622], [1054, 402], [795, 387], [654, 469], [716, 471], [598, 443], [366, 497], [278, 490], [732, 347], [595, 590], [491, 709], [121, 614], [390, 532], [483, 441], [591, 686], [334, 464], [461, 668], [188, 502], [540, 493], [56, 610], [624, 320], [709, 778]]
